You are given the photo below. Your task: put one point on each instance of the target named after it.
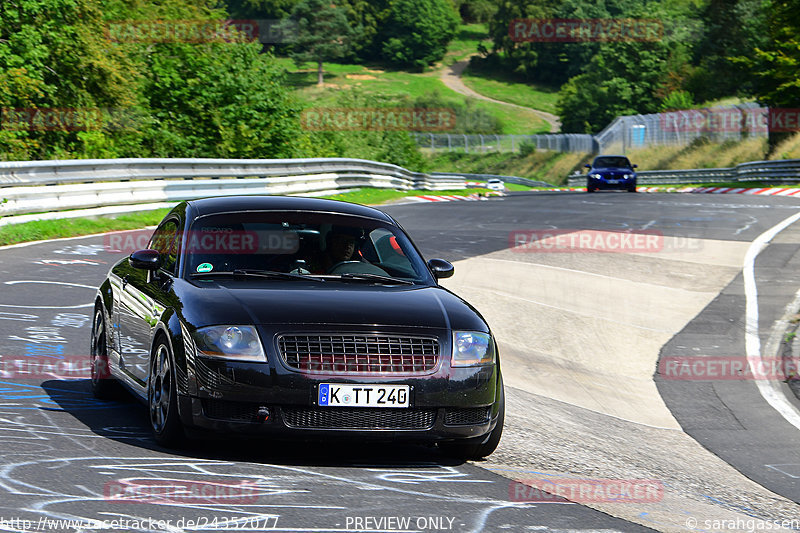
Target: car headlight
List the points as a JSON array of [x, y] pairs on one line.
[[239, 343], [595, 176], [472, 348]]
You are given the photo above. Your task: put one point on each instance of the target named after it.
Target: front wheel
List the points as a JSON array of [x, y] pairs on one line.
[[162, 398], [632, 189], [103, 385], [478, 447]]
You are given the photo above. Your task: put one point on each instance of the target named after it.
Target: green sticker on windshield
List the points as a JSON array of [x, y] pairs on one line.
[[205, 267]]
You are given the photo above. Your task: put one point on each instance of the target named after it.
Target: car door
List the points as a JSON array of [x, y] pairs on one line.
[[142, 299]]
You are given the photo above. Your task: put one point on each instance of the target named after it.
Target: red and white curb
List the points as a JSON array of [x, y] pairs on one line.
[[453, 198], [766, 191]]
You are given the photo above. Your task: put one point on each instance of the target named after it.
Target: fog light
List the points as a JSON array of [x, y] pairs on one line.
[[263, 414]]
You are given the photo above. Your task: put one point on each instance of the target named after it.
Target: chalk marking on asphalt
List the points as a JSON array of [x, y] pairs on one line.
[[15, 282], [752, 341]]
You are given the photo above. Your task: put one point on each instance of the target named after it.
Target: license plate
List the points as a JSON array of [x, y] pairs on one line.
[[613, 181], [341, 395]]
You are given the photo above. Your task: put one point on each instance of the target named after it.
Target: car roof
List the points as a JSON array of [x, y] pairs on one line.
[[611, 155], [225, 204]]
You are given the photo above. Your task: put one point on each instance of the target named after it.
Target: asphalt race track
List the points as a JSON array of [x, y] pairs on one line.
[[582, 336]]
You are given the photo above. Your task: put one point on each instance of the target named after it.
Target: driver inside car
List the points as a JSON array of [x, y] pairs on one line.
[[341, 245]]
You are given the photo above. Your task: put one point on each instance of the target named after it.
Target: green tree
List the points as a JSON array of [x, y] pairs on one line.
[[219, 100], [260, 9], [774, 64], [622, 79], [53, 54], [368, 16], [416, 32], [321, 32], [390, 146], [475, 10], [732, 28]]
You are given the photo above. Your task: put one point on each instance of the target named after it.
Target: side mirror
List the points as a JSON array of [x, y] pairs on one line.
[[635, 166], [587, 165], [441, 269], [145, 259]]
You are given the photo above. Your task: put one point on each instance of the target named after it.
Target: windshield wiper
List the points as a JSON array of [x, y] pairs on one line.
[[376, 277], [269, 274]]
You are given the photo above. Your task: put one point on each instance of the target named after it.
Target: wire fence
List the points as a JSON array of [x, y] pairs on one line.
[[451, 142], [717, 124]]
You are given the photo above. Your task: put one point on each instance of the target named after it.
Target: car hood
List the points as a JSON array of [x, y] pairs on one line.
[[331, 303]]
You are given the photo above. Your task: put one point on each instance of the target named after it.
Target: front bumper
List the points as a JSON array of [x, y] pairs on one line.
[[232, 397], [278, 424], [611, 183]]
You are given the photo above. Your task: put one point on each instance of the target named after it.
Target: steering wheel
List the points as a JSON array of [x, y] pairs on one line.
[[332, 270], [356, 267]]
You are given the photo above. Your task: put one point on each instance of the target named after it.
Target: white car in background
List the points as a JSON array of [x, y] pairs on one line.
[[495, 184]]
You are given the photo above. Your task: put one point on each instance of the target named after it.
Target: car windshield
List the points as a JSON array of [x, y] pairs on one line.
[[611, 162], [311, 244]]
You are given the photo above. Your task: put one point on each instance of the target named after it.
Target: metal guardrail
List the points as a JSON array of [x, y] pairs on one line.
[[781, 171], [484, 177], [42, 186]]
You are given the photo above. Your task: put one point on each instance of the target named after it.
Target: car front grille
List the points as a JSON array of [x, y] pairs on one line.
[[360, 354], [360, 418], [466, 417]]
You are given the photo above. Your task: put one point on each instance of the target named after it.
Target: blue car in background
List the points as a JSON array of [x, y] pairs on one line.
[[611, 172]]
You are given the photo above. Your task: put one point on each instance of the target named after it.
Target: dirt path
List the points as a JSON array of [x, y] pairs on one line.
[[451, 76]]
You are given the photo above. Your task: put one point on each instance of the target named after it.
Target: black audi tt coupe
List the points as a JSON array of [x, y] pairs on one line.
[[296, 317]]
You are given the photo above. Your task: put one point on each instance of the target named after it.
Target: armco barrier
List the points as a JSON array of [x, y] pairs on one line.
[[37, 186], [484, 177], [774, 172]]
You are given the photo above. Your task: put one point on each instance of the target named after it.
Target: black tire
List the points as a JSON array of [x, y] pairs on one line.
[[479, 447], [162, 397], [589, 189], [104, 387], [632, 189]]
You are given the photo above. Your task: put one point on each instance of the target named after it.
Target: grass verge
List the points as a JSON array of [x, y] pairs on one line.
[[501, 87], [552, 167], [401, 86], [73, 227]]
